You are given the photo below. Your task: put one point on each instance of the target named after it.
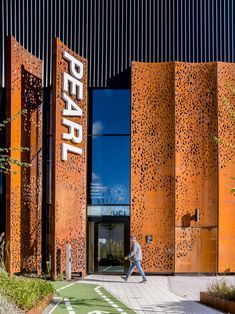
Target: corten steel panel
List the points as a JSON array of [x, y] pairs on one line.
[[209, 249], [226, 135], [69, 177], [195, 154], [152, 163], [23, 195], [196, 249]]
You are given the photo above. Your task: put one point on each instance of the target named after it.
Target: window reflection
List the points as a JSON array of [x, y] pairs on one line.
[[110, 173], [110, 111]]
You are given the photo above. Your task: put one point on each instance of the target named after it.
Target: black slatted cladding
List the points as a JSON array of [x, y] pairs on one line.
[[112, 33]]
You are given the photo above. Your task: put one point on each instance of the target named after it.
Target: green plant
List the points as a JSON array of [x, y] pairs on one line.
[[59, 277], [24, 292], [222, 288], [5, 159]]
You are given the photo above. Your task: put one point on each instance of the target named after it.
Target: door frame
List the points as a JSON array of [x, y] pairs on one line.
[[109, 219]]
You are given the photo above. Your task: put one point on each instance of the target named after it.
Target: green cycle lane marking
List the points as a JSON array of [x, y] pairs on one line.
[[83, 298]]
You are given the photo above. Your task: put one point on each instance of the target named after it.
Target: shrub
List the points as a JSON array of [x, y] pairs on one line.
[[222, 288], [24, 292]]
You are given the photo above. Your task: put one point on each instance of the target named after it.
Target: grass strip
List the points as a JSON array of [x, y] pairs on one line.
[[25, 293]]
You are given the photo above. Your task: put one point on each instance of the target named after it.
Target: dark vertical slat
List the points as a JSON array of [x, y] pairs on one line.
[[74, 41], [106, 39], [133, 15], [216, 30], [87, 29], [225, 31], [141, 22], [206, 26], [71, 25], [98, 44], [51, 35], [232, 31], [228, 10], [102, 44], [157, 34], [123, 35], [3, 23], [94, 41], [90, 42], [208, 33]]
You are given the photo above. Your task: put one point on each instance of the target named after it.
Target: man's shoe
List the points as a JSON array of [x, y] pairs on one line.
[[144, 280], [124, 277]]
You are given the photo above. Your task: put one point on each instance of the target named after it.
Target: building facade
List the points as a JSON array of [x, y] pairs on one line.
[[124, 102]]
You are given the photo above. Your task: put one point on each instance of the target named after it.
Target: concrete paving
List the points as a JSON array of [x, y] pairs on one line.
[[161, 294]]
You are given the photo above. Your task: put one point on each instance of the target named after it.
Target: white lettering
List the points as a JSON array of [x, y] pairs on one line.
[[75, 85], [67, 148], [74, 65], [74, 128], [72, 108], [72, 85]]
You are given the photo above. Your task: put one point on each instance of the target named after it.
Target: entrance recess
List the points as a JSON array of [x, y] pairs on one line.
[[108, 244], [109, 250]]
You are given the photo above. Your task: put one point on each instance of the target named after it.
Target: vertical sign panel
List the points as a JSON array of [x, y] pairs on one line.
[[23, 195], [152, 163], [69, 153], [226, 135], [195, 164]]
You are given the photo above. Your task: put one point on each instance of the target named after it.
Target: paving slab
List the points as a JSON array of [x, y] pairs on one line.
[[161, 294]]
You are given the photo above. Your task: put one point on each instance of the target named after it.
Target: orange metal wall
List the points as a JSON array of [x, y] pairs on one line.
[[176, 165], [226, 134], [23, 195], [69, 177], [195, 165], [152, 163]]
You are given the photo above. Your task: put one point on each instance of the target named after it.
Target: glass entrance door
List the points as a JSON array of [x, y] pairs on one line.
[[109, 247]]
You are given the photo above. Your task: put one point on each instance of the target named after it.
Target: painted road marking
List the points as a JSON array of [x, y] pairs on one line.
[[59, 300], [97, 312], [68, 306], [109, 301], [70, 309], [71, 284]]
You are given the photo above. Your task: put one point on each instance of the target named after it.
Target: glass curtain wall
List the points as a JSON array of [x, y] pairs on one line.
[[108, 178], [109, 141]]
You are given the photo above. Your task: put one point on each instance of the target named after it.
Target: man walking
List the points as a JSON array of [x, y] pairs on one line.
[[135, 257]]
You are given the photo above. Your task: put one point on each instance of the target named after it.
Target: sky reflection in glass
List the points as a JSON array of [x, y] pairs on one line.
[[111, 111], [110, 182]]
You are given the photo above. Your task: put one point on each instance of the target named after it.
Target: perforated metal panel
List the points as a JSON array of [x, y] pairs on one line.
[[69, 176], [23, 192]]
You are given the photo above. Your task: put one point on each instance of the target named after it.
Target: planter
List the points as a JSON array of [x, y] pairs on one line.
[[41, 305], [218, 303]]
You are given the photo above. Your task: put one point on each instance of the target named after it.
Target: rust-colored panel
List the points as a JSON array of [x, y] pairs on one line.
[[226, 134], [23, 202], [195, 249], [195, 160], [69, 176], [152, 163], [188, 249], [209, 250], [195, 152]]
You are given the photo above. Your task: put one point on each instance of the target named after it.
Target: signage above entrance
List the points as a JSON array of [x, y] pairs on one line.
[[108, 210]]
